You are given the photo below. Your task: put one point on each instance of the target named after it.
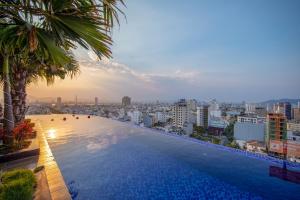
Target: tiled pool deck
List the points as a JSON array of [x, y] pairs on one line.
[[56, 183]]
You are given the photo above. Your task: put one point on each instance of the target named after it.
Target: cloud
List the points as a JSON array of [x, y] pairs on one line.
[[110, 80], [118, 69]]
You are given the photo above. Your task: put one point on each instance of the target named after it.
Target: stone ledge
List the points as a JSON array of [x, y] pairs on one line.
[[57, 187]]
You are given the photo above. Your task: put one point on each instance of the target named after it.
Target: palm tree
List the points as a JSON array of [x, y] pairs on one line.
[[50, 29], [35, 70], [17, 40]]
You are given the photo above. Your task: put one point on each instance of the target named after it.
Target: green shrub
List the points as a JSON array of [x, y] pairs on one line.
[[17, 184]]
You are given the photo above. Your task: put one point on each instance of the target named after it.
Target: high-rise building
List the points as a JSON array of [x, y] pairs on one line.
[[296, 114], [126, 101], [136, 117], [285, 108], [180, 113], [96, 101], [202, 116], [276, 132], [58, 102]]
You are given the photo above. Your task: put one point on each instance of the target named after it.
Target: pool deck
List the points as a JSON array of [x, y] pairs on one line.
[[56, 183]]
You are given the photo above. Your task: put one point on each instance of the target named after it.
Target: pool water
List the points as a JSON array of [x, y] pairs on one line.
[[106, 159]]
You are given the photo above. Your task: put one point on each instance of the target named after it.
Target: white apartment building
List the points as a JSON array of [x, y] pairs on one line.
[[293, 131], [160, 117], [136, 117], [251, 119], [180, 113], [293, 126]]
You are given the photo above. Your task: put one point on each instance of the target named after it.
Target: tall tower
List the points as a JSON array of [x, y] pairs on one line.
[[180, 113], [202, 116], [96, 101], [58, 102], [126, 101]]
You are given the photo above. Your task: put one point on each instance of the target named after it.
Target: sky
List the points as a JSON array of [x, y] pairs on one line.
[[231, 50]]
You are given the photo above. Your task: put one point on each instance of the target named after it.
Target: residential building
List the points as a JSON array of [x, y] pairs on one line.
[[148, 120], [254, 119], [202, 116], [293, 136], [293, 126], [126, 101], [160, 117], [58, 103], [136, 117], [293, 131], [276, 132], [296, 114], [180, 113], [96, 101]]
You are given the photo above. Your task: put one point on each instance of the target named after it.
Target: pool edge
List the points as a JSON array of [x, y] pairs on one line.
[[55, 180]]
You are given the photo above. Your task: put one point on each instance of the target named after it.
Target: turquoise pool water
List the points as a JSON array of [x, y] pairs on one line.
[[105, 159]]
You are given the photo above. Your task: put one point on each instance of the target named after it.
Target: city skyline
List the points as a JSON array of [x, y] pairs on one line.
[[238, 51]]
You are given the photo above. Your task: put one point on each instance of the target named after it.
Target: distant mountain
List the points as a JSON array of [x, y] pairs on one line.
[[274, 101]]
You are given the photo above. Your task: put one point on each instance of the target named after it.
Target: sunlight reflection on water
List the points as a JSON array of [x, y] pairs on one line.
[[52, 133]]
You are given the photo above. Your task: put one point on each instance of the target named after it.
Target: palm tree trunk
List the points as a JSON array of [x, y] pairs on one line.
[[8, 113], [18, 93]]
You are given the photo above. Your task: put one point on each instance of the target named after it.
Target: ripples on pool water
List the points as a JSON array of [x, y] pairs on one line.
[[105, 159]]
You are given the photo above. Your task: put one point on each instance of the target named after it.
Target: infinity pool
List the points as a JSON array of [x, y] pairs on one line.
[[105, 159]]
